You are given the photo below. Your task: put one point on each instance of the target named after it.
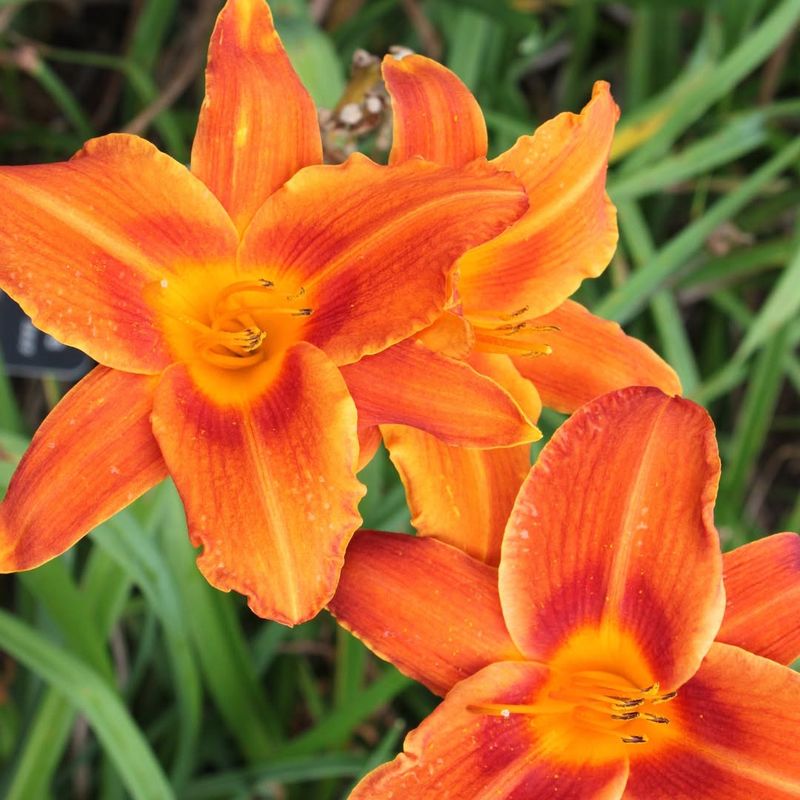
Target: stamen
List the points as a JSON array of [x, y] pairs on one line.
[[581, 699], [231, 362], [236, 325], [247, 312], [628, 715], [237, 288], [664, 698], [245, 340], [654, 718], [518, 313]]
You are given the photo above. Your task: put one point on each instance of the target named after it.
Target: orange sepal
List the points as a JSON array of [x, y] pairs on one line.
[[435, 115], [591, 356], [736, 723], [428, 608], [272, 508], [81, 239], [569, 232], [92, 456], [258, 125], [762, 588], [459, 495], [608, 535], [458, 752], [411, 385], [356, 240]]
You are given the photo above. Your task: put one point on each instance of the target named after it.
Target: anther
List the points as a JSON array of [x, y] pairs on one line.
[[664, 697], [634, 739], [628, 715], [655, 718], [518, 313]]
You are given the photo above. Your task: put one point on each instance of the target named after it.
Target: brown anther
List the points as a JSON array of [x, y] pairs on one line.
[[628, 702], [664, 697], [303, 312], [628, 715], [634, 739], [655, 718], [518, 313]]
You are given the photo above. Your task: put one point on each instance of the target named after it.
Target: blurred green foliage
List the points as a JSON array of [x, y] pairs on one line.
[[125, 674]]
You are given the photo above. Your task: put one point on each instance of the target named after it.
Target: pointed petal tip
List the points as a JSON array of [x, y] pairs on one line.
[[435, 114], [258, 124]]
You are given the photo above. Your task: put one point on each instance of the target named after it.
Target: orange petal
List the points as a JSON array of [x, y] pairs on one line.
[[738, 722], [81, 239], [258, 125], [591, 356], [93, 455], [458, 753], [762, 587], [357, 238], [459, 495], [426, 607], [411, 385], [435, 115], [269, 487], [569, 232], [613, 530]]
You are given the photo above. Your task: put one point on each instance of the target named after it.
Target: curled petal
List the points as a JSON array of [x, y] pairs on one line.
[[449, 334], [459, 495], [609, 539], [762, 588], [356, 240], [458, 752], [426, 607], [80, 241], [570, 230], [258, 125], [435, 115], [502, 370], [736, 719], [591, 356], [93, 455], [273, 509], [411, 385], [369, 440]]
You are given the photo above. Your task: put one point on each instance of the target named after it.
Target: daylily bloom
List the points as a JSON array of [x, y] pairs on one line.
[[600, 660], [510, 317], [220, 304]]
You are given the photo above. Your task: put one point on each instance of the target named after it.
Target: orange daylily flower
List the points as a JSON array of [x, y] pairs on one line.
[[600, 660], [221, 304], [510, 317]]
